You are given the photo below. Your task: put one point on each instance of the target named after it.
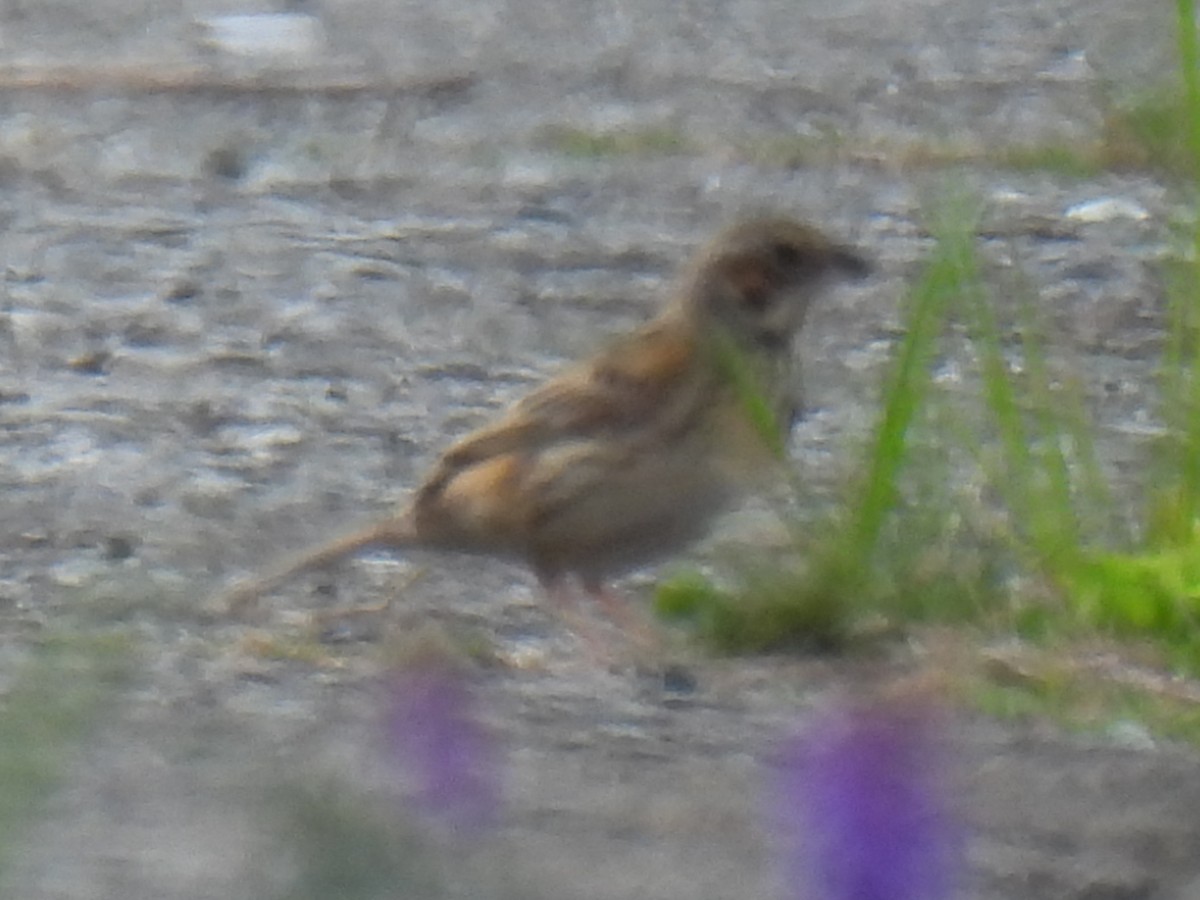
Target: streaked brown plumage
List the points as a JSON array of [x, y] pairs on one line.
[[627, 456]]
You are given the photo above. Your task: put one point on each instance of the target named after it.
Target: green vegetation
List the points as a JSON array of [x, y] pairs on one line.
[[346, 846], [335, 840], [44, 714], [1085, 698], [1151, 131], [795, 151], [1148, 133], [1161, 130], [1030, 446], [1059, 158], [1048, 557], [824, 602]]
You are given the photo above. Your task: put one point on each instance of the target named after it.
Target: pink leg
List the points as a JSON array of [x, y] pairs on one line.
[[634, 623], [558, 590]]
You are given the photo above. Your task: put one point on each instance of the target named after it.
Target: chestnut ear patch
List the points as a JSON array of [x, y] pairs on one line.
[[751, 282]]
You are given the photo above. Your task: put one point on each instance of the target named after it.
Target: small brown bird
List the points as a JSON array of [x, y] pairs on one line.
[[628, 456]]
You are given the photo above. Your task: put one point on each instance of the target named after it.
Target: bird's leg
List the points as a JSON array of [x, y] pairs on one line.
[[558, 590], [631, 621]]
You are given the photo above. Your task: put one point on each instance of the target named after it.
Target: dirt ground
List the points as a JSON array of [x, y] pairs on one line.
[[247, 298]]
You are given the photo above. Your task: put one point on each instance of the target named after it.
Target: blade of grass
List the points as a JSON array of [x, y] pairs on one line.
[[1174, 506], [1036, 482], [735, 367], [1061, 524], [814, 606], [1061, 415], [1189, 67], [1185, 299], [954, 226]]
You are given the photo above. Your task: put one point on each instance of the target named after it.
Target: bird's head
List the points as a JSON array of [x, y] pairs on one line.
[[756, 279]]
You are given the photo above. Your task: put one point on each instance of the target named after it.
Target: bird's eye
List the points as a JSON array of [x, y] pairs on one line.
[[757, 298], [787, 255]]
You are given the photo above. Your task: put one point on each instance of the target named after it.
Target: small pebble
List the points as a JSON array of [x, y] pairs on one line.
[[1106, 209]]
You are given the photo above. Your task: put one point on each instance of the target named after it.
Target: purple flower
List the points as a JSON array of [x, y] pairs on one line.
[[859, 810], [448, 756]]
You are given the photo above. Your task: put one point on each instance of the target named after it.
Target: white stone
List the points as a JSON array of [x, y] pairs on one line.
[[1106, 209]]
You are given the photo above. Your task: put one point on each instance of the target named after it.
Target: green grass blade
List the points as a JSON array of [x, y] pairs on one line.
[[1189, 66], [953, 258]]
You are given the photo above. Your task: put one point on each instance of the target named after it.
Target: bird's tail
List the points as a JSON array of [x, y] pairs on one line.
[[397, 533]]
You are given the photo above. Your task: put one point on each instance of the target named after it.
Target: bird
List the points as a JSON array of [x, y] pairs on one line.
[[628, 456]]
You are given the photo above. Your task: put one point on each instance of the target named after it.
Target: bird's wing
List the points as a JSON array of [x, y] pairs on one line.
[[582, 435], [627, 388]]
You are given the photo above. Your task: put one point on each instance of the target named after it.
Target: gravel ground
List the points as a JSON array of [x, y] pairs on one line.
[[248, 296]]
